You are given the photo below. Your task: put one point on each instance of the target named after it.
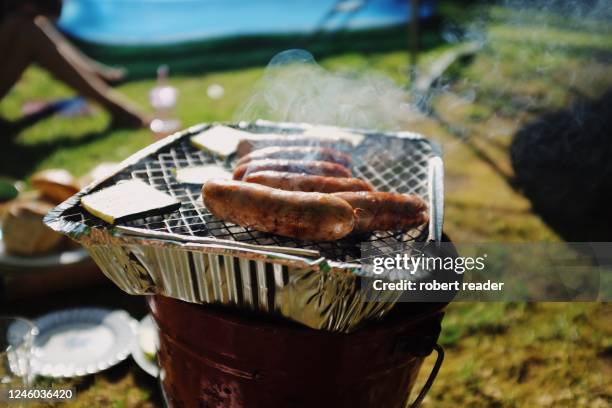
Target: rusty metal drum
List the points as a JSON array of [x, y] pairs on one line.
[[217, 357]]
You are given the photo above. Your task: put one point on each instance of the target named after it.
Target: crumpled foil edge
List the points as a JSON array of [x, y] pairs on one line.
[[295, 283]]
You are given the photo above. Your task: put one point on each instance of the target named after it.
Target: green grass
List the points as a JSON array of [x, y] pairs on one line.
[[78, 143], [524, 355], [499, 354]]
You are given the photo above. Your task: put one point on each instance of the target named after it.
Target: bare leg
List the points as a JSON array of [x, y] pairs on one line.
[[24, 41]]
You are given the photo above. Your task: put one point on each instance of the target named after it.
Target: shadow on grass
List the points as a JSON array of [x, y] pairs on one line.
[[563, 164], [18, 160]]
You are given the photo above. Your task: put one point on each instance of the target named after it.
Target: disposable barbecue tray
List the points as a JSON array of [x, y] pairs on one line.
[[190, 255]]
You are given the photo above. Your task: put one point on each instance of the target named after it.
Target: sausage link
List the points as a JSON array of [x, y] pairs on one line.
[[380, 211], [298, 153], [306, 182], [306, 216], [318, 168]]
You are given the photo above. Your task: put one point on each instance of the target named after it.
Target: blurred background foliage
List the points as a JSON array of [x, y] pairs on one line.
[[537, 58]]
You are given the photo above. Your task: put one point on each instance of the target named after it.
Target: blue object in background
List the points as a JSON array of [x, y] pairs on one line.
[[156, 22]]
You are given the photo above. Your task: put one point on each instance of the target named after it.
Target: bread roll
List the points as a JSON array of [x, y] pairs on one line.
[[24, 232], [55, 184]]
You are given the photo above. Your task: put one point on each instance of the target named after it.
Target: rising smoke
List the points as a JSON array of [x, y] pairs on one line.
[[295, 88]]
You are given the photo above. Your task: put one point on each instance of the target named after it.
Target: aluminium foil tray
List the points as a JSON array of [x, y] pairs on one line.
[[191, 255]]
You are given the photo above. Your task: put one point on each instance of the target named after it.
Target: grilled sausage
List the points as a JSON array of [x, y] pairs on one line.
[[246, 146], [318, 168], [307, 216], [298, 153], [379, 211], [307, 182]]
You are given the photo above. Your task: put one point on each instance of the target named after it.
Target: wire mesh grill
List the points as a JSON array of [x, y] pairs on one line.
[[388, 163]]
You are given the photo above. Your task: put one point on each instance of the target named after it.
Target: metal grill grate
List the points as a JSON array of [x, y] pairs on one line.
[[388, 163]]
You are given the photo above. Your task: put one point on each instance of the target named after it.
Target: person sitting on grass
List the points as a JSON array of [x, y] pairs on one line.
[[28, 35]]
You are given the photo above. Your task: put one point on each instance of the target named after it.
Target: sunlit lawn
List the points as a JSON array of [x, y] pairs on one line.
[[498, 354]]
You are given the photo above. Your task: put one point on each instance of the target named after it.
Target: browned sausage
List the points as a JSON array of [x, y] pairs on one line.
[[318, 168], [307, 182], [298, 153], [379, 211], [307, 216], [246, 146]]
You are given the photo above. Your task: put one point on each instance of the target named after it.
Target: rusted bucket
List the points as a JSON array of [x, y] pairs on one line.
[[213, 357]]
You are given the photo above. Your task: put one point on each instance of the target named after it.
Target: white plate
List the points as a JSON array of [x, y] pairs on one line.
[[77, 342], [147, 324], [68, 257]]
